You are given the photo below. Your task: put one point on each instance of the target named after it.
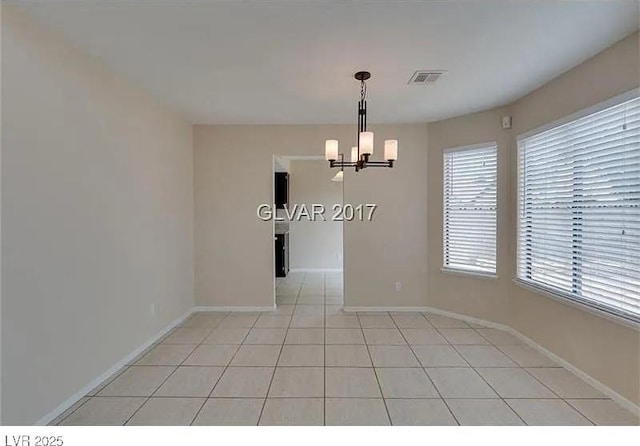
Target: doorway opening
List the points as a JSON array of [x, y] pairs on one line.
[[308, 234]]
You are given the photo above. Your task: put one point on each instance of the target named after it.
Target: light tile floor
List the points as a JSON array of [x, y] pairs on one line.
[[309, 363]]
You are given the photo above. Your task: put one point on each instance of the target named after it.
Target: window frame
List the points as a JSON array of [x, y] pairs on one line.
[[471, 272], [570, 298]]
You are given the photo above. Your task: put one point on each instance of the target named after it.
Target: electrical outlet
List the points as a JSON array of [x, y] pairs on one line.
[[154, 309], [398, 287]]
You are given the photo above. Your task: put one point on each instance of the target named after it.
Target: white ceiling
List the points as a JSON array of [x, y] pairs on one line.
[[286, 62]]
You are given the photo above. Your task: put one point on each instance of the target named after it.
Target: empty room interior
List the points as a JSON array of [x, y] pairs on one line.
[[320, 213]]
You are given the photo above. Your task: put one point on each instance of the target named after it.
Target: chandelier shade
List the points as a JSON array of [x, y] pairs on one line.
[[354, 154], [391, 149], [331, 150], [366, 143], [338, 176]]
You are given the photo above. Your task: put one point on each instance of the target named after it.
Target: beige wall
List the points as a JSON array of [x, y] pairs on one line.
[[97, 205], [481, 298], [234, 249], [314, 244], [606, 350], [393, 247], [1, 366], [602, 348]]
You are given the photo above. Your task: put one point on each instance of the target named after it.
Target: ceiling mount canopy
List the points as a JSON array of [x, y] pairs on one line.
[[362, 152], [362, 76]]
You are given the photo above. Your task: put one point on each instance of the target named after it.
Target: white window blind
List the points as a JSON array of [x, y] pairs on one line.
[[579, 209], [469, 222]]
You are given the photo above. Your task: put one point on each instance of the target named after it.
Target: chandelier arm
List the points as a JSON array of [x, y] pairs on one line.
[[379, 163], [343, 164]]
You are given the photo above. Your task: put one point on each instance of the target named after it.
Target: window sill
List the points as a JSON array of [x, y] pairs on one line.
[[469, 273], [577, 304]]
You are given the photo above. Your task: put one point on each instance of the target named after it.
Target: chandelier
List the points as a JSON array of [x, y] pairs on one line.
[[362, 152]]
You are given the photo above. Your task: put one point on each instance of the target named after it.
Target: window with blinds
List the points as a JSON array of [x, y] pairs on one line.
[[469, 221], [579, 209]]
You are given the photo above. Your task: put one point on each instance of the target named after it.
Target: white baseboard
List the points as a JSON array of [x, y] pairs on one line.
[[315, 270], [237, 309], [131, 356], [348, 309], [471, 319], [615, 396], [48, 418], [428, 310]]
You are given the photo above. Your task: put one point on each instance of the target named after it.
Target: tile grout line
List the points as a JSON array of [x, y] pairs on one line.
[[555, 393], [225, 368], [423, 368], [275, 367], [324, 355], [474, 369], [578, 410], [478, 373], [172, 372], [202, 343], [525, 371], [132, 364], [499, 347], [61, 418], [384, 401], [351, 397], [100, 387]]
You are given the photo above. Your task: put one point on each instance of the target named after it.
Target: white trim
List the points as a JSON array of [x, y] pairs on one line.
[[236, 309], [273, 230], [428, 310], [471, 319], [464, 272], [482, 145], [348, 309], [575, 303], [611, 102], [315, 270], [48, 418], [615, 396]]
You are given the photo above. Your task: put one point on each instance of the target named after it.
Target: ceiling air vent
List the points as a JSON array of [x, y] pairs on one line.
[[423, 77]]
